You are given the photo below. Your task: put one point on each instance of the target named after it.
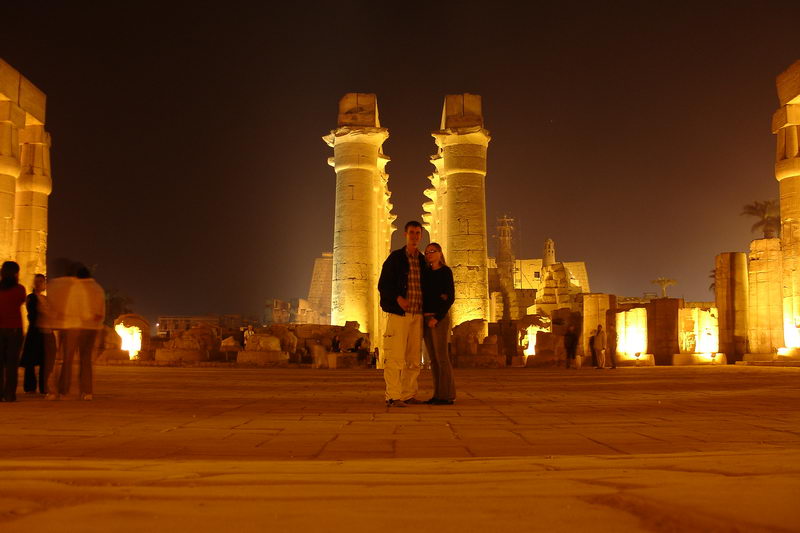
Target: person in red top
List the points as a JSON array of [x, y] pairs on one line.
[[12, 296]]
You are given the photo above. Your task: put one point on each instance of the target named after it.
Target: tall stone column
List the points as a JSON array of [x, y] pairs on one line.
[[765, 306], [731, 293], [462, 142], [12, 120], [785, 124], [33, 188], [362, 220]]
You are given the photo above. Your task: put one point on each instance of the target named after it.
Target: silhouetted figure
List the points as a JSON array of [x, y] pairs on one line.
[[571, 346], [600, 347], [591, 348], [12, 296], [40, 344]]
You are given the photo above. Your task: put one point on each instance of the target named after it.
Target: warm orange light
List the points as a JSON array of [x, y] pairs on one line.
[[131, 339], [632, 333]]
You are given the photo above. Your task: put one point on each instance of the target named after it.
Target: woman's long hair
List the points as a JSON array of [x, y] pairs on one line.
[[9, 275], [439, 249]]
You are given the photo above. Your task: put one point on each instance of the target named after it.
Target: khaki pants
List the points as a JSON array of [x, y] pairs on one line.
[[402, 352], [70, 341]]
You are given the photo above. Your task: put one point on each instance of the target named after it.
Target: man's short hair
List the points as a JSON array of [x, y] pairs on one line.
[[412, 223]]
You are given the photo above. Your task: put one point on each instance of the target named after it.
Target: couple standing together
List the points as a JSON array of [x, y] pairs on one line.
[[416, 290]]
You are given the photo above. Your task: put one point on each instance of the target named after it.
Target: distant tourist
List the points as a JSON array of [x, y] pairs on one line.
[[600, 347], [248, 334], [591, 347], [335, 344], [571, 346], [40, 344], [12, 296], [76, 307], [438, 293], [400, 288]]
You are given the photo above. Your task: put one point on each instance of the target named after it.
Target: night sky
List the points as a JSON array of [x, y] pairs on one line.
[[188, 165]]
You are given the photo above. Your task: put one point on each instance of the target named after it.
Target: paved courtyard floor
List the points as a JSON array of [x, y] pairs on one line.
[[221, 449]]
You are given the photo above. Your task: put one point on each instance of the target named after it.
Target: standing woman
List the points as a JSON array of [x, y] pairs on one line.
[[12, 296], [438, 293], [33, 350]]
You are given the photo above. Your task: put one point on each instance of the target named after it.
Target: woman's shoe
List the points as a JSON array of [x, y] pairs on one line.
[[437, 401]]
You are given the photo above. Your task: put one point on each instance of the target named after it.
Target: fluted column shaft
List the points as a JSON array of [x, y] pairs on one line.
[[357, 239], [12, 120], [786, 124], [463, 153], [34, 185]]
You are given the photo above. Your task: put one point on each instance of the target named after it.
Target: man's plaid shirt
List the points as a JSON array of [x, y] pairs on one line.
[[414, 294]]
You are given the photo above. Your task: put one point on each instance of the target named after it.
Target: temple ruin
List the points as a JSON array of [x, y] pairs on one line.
[[25, 182]]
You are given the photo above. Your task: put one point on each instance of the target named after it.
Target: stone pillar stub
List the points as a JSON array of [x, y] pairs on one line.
[[731, 292], [461, 164]]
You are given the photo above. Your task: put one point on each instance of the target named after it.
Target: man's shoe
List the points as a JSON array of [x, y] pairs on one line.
[[51, 397], [396, 403], [413, 401], [431, 401], [86, 397]]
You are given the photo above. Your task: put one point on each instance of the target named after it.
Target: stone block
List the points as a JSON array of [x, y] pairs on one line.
[[342, 360], [32, 100], [462, 111], [9, 82], [358, 109], [263, 358], [179, 355], [788, 84]]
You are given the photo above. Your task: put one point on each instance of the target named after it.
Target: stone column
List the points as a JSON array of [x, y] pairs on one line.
[[33, 188], [549, 255], [785, 123], [362, 220], [731, 293], [462, 143], [765, 308], [12, 120]]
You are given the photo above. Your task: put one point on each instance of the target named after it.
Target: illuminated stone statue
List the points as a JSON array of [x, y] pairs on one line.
[[25, 182], [785, 124], [456, 213], [363, 218]]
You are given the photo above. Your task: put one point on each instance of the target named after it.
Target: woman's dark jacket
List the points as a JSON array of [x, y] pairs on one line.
[[394, 279], [438, 291], [33, 349]]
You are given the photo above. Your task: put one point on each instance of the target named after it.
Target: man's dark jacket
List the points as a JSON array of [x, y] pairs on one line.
[[394, 279]]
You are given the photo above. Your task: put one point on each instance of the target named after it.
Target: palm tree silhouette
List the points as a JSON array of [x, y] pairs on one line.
[[768, 215], [664, 283]]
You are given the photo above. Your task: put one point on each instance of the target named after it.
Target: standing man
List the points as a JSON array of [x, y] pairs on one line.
[[401, 296], [600, 347]]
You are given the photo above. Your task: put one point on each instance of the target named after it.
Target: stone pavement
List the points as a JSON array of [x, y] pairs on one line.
[[219, 449]]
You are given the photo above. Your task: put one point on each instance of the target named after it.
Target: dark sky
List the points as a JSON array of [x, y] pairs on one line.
[[188, 165]]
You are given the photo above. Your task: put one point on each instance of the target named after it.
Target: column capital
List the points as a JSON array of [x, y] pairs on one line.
[[474, 135], [348, 134]]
